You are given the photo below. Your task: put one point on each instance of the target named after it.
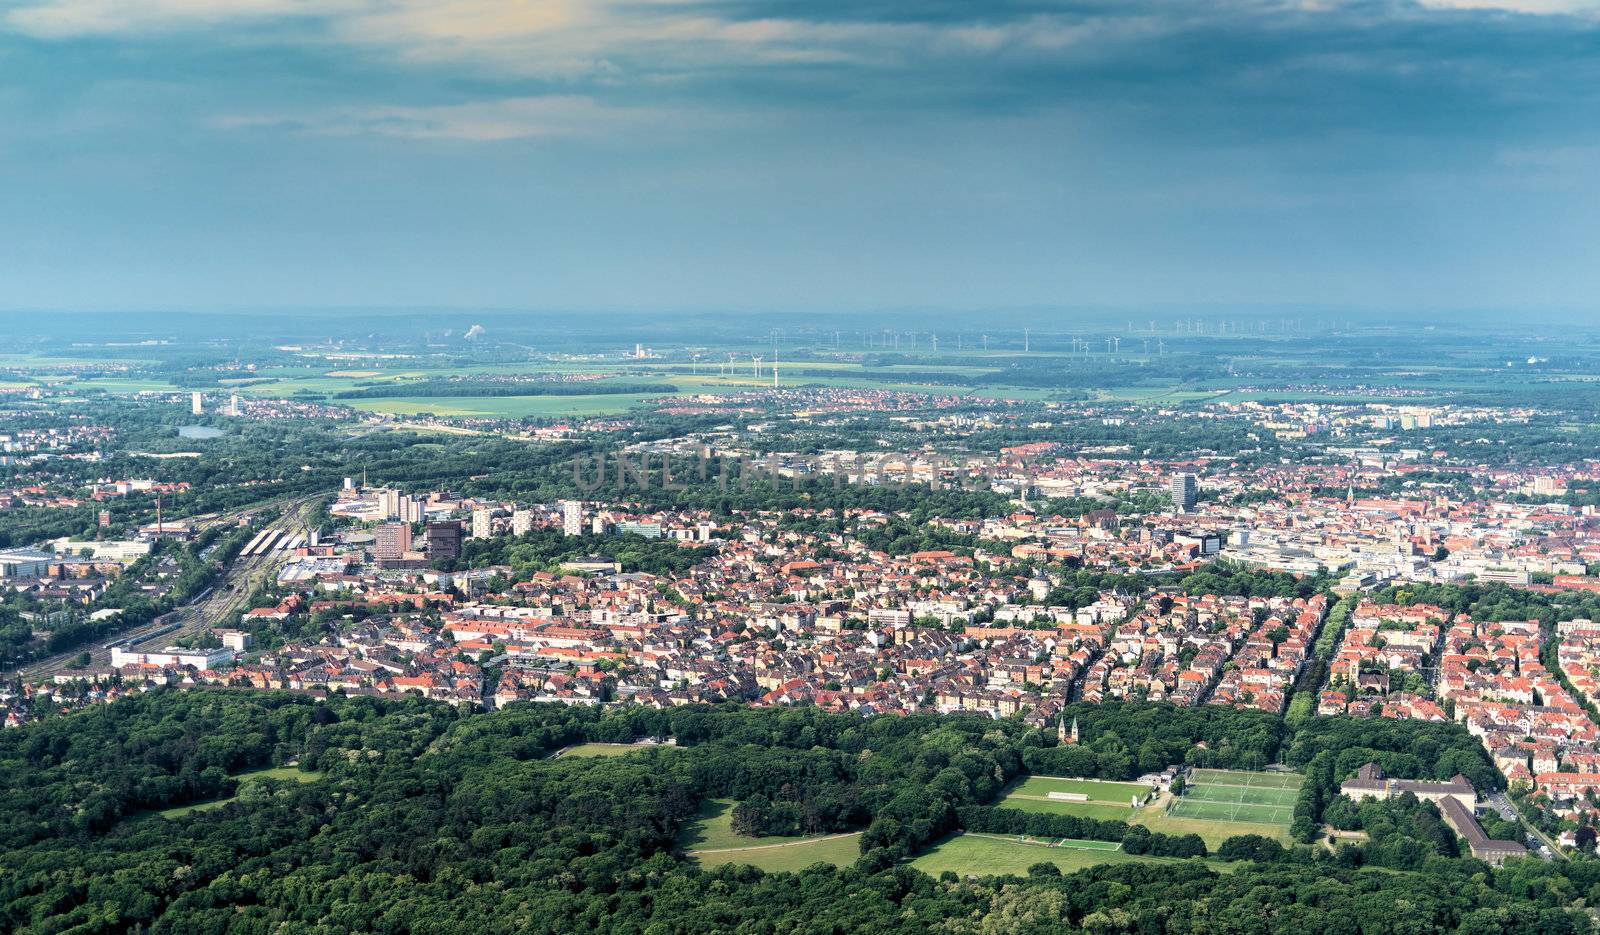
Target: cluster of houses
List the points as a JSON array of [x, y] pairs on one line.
[[1189, 649]]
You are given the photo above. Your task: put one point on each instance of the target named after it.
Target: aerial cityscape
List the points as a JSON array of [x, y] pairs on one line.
[[682, 468]]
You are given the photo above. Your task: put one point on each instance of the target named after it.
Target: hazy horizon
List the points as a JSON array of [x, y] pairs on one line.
[[818, 155]]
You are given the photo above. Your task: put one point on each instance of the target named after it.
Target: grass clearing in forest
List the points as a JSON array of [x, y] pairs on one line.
[[602, 749], [282, 773], [971, 853], [712, 842]]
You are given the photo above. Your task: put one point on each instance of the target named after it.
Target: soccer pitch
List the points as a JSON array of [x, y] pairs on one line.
[[1235, 795], [1093, 790]]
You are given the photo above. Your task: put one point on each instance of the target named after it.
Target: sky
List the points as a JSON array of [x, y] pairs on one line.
[[662, 155]]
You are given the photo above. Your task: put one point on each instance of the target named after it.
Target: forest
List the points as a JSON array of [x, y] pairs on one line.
[[423, 817]]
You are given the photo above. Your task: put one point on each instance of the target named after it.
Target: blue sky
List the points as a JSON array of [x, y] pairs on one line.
[[722, 154]]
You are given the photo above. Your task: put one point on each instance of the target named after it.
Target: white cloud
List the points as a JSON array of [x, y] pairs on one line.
[[1536, 7], [59, 19]]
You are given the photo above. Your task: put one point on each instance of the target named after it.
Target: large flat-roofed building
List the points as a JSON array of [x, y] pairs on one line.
[[25, 563], [113, 550], [171, 656]]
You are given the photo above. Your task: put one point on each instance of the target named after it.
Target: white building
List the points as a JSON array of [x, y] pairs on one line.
[[113, 550], [482, 523], [172, 656], [521, 522], [572, 517]]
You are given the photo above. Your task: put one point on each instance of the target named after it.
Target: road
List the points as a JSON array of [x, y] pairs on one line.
[[1508, 810], [215, 605]]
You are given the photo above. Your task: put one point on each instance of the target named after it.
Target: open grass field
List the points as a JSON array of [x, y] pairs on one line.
[[991, 855], [279, 772], [711, 840], [1211, 830], [1103, 811], [840, 850], [1107, 801], [603, 749], [1116, 793], [1236, 796], [713, 831]]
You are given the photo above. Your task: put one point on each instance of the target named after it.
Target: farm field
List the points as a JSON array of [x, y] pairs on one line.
[[711, 841], [1237, 796], [504, 407], [991, 855]]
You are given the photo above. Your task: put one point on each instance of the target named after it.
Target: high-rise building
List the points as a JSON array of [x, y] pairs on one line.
[[393, 541], [572, 517], [1183, 490], [389, 503], [444, 540], [521, 522], [411, 510], [482, 523], [197, 403], [233, 405]]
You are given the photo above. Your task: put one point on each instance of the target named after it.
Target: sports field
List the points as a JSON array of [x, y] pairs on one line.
[[1236, 795], [1106, 801], [1117, 793]]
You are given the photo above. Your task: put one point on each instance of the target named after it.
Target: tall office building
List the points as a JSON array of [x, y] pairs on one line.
[[233, 405], [482, 523], [393, 541], [197, 403], [411, 510], [389, 503], [572, 517], [444, 540], [1182, 487], [521, 522]]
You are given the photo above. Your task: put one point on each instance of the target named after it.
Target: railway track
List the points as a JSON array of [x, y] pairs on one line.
[[214, 605]]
